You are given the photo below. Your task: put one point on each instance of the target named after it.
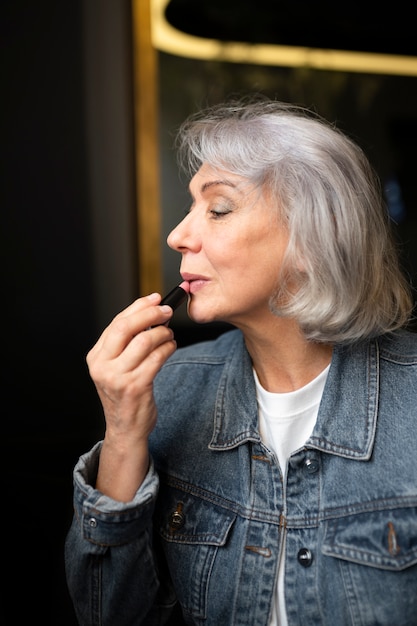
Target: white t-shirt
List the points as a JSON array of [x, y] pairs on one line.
[[286, 421]]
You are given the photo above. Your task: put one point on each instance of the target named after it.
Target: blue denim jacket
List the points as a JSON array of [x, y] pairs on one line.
[[206, 528]]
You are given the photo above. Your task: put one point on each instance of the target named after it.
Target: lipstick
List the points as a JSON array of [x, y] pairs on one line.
[[177, 296]]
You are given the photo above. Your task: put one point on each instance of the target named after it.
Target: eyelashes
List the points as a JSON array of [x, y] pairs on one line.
[[214, 207], [216, 211], [219, 212]]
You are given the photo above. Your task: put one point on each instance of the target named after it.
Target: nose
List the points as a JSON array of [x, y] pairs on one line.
[[184, 236]]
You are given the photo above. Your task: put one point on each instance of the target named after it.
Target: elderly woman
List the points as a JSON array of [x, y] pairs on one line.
[[269, 476]]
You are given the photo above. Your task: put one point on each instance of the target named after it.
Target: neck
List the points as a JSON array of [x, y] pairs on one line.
[[284, 360]]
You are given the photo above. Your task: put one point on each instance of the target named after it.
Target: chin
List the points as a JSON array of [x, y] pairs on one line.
[[203, 319], [202, 316]]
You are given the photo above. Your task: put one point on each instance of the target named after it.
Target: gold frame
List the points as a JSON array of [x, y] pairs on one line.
[[169, 39], [146, 106]]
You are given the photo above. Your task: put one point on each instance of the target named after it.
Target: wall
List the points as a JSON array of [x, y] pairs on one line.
[[68, 265]]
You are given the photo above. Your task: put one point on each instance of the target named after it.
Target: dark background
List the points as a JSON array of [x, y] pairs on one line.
[[357, 26], [50, 311], [68, 237]]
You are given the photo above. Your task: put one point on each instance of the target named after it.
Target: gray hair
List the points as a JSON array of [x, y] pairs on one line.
[[341, 252]]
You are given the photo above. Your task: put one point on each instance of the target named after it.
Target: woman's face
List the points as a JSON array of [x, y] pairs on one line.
[[232, 244]]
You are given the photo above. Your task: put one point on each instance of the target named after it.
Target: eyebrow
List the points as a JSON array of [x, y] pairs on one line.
[[212, 183]]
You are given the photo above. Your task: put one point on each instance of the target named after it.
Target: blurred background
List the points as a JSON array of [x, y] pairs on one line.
[[81, 233]]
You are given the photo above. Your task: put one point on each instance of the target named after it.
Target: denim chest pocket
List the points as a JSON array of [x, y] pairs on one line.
[[376, 554], [192, 530]]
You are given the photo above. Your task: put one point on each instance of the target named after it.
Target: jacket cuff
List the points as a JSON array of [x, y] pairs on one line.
[[105, 521]]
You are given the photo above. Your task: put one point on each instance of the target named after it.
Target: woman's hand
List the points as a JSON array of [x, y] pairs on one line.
[[123, 365]]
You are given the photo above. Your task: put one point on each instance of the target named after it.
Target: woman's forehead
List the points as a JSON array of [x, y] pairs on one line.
[[208, 177]]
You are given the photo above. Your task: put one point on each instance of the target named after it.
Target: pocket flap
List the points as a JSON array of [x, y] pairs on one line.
[[186, 518], [384, 539]]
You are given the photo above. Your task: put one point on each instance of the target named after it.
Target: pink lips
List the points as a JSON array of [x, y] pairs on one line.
[[194, 283], [185, 285]]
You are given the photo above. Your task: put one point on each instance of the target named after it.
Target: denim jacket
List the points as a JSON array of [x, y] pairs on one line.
[[204, 533]]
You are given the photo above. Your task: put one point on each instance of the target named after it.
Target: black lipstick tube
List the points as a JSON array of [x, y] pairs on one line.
[[175, 297]]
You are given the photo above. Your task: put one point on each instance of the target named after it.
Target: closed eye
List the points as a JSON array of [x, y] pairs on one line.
[[218, 213]]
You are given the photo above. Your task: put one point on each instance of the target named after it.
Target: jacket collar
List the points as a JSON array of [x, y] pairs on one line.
[[347, 416]]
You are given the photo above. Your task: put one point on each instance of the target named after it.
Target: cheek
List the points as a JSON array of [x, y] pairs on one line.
[[255, 249], [225, 252]]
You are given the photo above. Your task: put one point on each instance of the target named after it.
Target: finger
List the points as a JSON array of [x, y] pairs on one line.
[[135, 307], [124, 327], [131, 379], [140, 304], [143, 345], [148, 368]]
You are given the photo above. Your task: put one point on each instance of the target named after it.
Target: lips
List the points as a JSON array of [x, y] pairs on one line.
[[196, 281]]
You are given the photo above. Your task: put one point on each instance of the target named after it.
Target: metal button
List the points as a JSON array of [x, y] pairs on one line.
[[177, 518], [92, 522], [305, 557], [311, 465]]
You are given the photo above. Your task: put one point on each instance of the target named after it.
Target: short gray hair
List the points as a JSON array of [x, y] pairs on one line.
[[351, 285]]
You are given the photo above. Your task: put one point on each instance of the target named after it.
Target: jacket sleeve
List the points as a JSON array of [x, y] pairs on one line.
[[109, 558]]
